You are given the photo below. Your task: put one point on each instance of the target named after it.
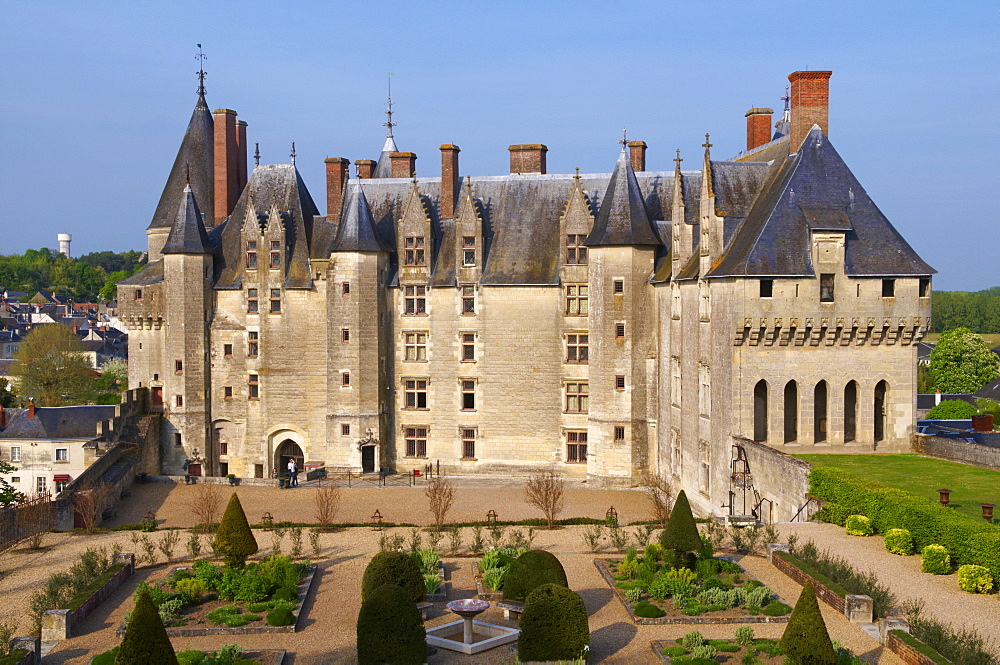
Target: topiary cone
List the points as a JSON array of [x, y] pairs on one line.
[[681, 533], [806, 639], [234, 540], [145, 641]]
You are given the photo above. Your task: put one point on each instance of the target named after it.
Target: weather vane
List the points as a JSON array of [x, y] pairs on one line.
[[256, 154], [201, 71], [293, 153], [624, 140], [389, 123]]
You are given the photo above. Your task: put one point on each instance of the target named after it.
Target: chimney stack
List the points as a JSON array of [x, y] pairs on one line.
[[31, 408], [404, 164], [758, 127], [241, 157], [449, 179], [527, 158], [810, 104], [637, 155], [3, 417], [226, 164], [366, 168], [338, 170]]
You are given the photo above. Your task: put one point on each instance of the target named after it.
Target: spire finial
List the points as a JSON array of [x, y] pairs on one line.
[[706, 145], [678, 159], [256, 154], [577, 176], [389, 124], [293, 153], [468, 185], [201, 71], [624, 140], [786, 99], [187, 174]]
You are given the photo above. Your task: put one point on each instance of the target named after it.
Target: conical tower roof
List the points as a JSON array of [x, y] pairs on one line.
[[187, 234], [623, 218], [194, 165], [357, 227]]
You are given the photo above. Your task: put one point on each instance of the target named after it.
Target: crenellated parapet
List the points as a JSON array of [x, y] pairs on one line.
[[830, 331]]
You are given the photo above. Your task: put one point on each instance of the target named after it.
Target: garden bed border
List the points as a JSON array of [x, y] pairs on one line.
[[442, 592], [272, 656], [857, 608], [896, 643], [60, 624], [198, 631], [602, 568], [482, 593], [32, 645]]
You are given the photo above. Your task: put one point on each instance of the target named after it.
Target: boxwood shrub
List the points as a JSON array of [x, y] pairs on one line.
[[530, 571], [647, 610], [899, 541], [390, 628], [934, 559], [858, 525], [975, 579], [984, 549], [394, 568], [553, 626]]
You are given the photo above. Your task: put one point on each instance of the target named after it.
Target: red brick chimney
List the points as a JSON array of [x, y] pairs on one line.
[[338, 170], [404, 164], [31, 408], [637, 155], [366, 168], [226, 164], [449, 179], [241, 157], [758, 127], [527, 158], [3, 417], [810, 104]]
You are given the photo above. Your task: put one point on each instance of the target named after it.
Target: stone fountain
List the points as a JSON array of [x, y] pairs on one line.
[[468, 635]]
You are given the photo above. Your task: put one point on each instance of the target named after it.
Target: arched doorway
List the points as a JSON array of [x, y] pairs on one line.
[[288, 450], [819, 412], [881, 388], [791, 411], [850, 411], [760, 411]]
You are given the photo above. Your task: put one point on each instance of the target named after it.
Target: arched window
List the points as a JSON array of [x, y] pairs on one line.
[[819, 412], [881, 390], [791, 411], [850, 411], [760, 411]]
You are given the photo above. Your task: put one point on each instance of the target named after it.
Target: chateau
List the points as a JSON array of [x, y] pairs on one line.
[[602, 325]]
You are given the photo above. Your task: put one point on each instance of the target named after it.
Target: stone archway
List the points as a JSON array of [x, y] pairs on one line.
[[288, 450], [369, 450]]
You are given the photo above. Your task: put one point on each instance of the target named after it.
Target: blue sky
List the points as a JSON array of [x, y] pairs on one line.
[[95, 96]]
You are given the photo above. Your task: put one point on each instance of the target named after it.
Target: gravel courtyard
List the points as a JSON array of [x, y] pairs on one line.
[[331, 610]]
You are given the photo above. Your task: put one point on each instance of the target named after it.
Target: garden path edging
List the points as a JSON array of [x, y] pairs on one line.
[[60, 624]]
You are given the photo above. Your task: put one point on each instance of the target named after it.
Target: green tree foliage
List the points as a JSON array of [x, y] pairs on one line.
[[396, 568], [925, 380], [234, 540], [8, 495], [951, 409], [681, 533], [113, 379], [530, 571], [553, 626], [145, 641], [978, 311], [962, 362], [7, 396], [51, 367], [390, 629], [991, 407], [81, 279], [806, 640]]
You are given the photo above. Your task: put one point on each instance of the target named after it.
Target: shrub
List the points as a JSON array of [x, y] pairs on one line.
[[858, 525], [744, 636], [776, 608], [952, 409], [169, 609], [390, 628], [975, 579], [706, 651], [285, 593], [530, 571], [806, 639], [553, 625], [145, 639], [934, 559], [899, 541], [674, 652], [191, 588], [681, 533], [958, 646], [108, 657], [647, 610], [394, 568], [191, 657], [281, 616], [633, 595], [693, 640], [983, 549], [234, 540]]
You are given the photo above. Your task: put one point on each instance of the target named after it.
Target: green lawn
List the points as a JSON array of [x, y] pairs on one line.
[[922, 476]]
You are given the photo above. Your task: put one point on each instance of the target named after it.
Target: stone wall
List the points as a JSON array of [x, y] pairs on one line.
[[954, 450], [778, 477], [62, 624], [904, 651], [117, 467]]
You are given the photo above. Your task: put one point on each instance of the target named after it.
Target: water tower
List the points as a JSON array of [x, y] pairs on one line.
[[64, 239]]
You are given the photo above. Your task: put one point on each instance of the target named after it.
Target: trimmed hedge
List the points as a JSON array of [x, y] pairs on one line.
[[899, 541], [390, 629], [806, 639], [394, 568], [913, 642], [889, 508], [553, 625], [530, 571], [934, 559], [234, 540], [983, 549]]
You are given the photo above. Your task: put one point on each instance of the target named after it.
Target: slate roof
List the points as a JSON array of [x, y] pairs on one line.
[[151, 274], [59, 422], [383, 169], [194, 163], [356, 232], [814, 190], [187, 235], [622, 218]]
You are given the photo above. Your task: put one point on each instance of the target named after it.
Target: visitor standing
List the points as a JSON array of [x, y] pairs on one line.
[[293, 473]]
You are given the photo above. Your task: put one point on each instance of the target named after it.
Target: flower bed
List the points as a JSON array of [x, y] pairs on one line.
[[211, 600], [18, 657], [489, 571], [674, 652], [912, 650], [228, 655], [857, 608], [720, 591], [429, 561], [60, 624]]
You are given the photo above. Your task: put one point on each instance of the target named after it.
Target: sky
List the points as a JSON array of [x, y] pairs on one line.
[[95, 97]]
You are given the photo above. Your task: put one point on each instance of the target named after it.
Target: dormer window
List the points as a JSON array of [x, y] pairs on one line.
[[414, 254], [469, 251], [576, 253], [251, 255], [275, 254]]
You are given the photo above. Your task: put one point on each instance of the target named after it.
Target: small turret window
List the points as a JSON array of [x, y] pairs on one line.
[[888, 288], [925, 287], [826, 287], [414, 255], [251, 255], [469, 251], [275, 254], [576, 253]]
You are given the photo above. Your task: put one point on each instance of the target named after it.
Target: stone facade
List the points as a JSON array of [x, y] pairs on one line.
[[604, 325]]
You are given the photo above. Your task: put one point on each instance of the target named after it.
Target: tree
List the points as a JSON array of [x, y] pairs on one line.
[[681, 537], [327, 500], [50, 366], [662, 494], [234, 540], [441, 496], [806, 640], [145, 639], [7, 396], [205, 504], [925, 380], [962, 362], [951, 409], [8, 495], [90, 505], [545, 492]]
